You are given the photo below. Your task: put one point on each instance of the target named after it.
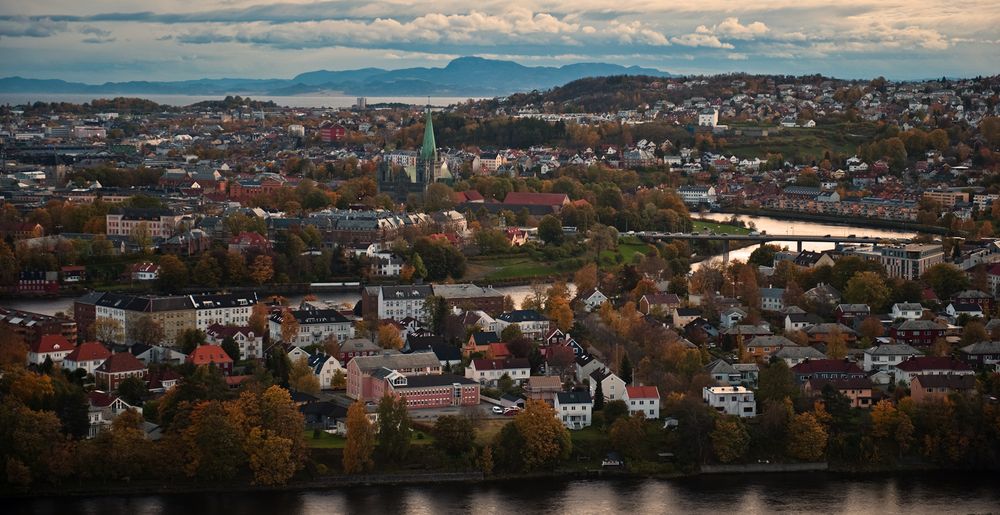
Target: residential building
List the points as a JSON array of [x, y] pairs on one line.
[[223, 309], [574, 409], [31, 327], [532, 323], [737, 401], [88, 356], [981, 355], [395, 302], [543, 388], [591, 299], [315, 326], [490, 371], [325, 367], [695, 195], [929, 365], [470, 297], [644, 400], [160, 223], [906, 311], [887, 356], [827, 369], [53, 347], [211, 355], [723, 373], [662, 304], [612, 386], [102, 410], [251, 345], [795, 354], [857, 390], [357, 347], [939, 386], [847, 314], [918, 332], [911, 260], [772, 299], [763, 347], [117, 368]]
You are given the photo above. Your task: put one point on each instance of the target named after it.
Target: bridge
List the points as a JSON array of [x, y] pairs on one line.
[[763, 238]]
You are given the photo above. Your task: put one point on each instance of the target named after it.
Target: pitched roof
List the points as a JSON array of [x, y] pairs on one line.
[[426, 381], [899, 349], [208, 354], [51, 343], [536, 199], [500, 364], [770, 341], [850, 383], [642, 392], [89, 351], [920, 325], [799, 352], [121, 362], [917, 363], [987, 347], [396, 361], [950, 381], [575, 397], [522, 315], [827, 366]]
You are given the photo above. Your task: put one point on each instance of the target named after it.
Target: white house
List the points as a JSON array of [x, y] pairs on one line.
[[532, 323], [887, 356], [396, 302], [955, 310], [88, 356], [907, 310], [223, 309], [297, 353], [929, 365], [612, 386], [315, 326], [731, 400], [694, 195], [592, 299], [251, 345], [643, 399], [325, 367], [585, 365], [51, 346], [574, 409], [489, 371], [731, 317], [708, 117]]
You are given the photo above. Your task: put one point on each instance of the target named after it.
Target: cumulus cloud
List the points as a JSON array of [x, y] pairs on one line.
[[31, 27], [731, 28]]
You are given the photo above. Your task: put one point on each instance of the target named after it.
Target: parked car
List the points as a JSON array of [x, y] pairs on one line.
[[511, 411], [498, 410]]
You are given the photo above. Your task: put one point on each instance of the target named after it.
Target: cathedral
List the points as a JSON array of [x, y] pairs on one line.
[[403, 173]]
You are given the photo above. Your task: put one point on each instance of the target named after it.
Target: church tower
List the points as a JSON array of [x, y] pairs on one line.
[[427, 161]]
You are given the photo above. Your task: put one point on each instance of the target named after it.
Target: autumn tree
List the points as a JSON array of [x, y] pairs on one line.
[[393, 428], [389, 337], [360, 441], [258, 321], [871, 328], [173, 274], [730, 439], [627, 435], [214, 449], [550, 230], [806, 438], [146, 330], [586, 277], [106, 330], [289, 327], [974, 332], [546, 439], [207, 272], [776, 383], [270, 457], [454, 435], [302, 379], [945, 279], [262, 269], [836, 344]]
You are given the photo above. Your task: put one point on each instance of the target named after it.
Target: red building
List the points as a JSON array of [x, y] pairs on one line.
[[117, 368], [329, 133], [209, 354], [429, 391], [918, 332], [38, 283]]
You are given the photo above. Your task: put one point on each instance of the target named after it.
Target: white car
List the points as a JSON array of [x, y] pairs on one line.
[[498, 410]]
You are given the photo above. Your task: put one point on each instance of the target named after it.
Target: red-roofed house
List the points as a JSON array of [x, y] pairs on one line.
[[249, 240], [497, 351], [643, 399], [103, 409], [929, 365], [117, 368], [936, 387], [461, 197], [209, 354], [53, 346], [827, 369], [145, 271], [516, 236], [88, 356], [553, 201]]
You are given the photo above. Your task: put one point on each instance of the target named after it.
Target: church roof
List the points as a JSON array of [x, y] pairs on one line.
[[429, 148]]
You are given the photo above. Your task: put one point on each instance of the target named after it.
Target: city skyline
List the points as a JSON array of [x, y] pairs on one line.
[[109, 40]]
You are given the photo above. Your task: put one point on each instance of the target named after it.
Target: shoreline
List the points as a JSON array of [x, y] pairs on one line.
[[469, 477], [873, 223]]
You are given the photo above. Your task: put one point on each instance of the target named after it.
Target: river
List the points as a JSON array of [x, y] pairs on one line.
[[305, 101], [931, 493], [775, 226]]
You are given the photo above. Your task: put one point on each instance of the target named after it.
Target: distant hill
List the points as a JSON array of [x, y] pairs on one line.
[[472, 76]]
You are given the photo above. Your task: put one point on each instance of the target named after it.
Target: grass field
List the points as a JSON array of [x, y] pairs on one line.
[[717, 228], [328, 441]]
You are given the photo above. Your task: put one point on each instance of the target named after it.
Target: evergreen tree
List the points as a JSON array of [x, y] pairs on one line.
[[625, 370]]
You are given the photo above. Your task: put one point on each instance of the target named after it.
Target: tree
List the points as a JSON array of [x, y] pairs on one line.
[[141, 237], [627, 435], [213, 443], [730, 439], [598, 396], [546, 439], [232, 348], [258, 320], [625, 369], [289, 327], [146, 330], [454, 435], [207, 272], [393, 428], [867, 288], [173, 273], [9, 269], [419, 269], [974, 332], [560, 313], [614, 410], [262, 269], [107, 330], [360, 441], [806, 438], [339, 380], [836, 344], [550, 230], [190, 339], [302, 379], [133, 390], [871, 328], [945, 279], [763, 255], [389, 337], [511, 333], [271, 457], [776, 382], [586, 277]]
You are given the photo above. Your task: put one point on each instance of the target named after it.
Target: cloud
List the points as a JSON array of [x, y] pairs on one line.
[[731, 28], [700, 38], [31, 27]]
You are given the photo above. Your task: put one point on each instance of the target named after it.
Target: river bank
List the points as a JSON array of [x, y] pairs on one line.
[[836, 219]]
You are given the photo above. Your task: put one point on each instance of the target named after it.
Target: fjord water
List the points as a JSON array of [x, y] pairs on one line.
[[937, 493]]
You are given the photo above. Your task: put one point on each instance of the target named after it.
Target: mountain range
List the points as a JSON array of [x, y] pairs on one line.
[[472, 76]]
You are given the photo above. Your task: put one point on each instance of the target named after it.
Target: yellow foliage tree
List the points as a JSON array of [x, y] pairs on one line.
[[302, 379], [389, 337], [271, 458], [546, 439], [806, 438], [360, 441]]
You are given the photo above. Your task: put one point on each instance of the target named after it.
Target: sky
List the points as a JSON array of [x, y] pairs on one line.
[[97, 41]]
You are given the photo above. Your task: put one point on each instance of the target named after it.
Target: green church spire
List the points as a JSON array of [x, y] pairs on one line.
[[429, 149]]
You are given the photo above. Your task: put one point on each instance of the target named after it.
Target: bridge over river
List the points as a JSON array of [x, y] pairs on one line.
[[763, 238]]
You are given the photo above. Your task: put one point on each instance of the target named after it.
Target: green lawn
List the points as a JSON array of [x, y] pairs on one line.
[[627, 250]]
